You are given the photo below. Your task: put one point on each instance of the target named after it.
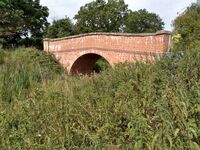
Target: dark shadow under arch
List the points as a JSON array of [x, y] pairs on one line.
[[85, 64]]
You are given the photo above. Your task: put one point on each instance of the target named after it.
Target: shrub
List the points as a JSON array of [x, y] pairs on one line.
[[133, 106]]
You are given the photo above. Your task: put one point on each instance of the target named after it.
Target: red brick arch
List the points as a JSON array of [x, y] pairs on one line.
[[91, 51], [114, 47], [85, 63]]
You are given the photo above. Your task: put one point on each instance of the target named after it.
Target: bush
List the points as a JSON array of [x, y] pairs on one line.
[[134, 106], [101, 65]]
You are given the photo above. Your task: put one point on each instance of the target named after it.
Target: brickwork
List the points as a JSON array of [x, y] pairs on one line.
[[79, 53]]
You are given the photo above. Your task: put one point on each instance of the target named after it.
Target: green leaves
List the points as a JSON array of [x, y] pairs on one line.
[[60, 28], [101, 16], [187, 26], [114, 16], [22, 19], [10, 19], [142, 21], [133, 106]]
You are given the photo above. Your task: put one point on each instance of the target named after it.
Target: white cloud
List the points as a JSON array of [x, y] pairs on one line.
[[167, 9]]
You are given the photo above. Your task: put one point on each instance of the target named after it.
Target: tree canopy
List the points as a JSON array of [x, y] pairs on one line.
[[60, 28], [114, 16], [142, 21], [187, 27], [10, 20], [22, 21], [102, 16]]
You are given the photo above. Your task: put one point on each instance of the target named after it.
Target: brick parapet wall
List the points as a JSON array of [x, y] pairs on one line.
[[162, 32]]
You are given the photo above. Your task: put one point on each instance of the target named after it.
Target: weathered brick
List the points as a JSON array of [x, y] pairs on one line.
[[79, 53]]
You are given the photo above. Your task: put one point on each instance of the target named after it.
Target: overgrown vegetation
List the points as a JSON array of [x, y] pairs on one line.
[[136, 106], [101, 65], [1, 57], [133, 106], [187, 28]]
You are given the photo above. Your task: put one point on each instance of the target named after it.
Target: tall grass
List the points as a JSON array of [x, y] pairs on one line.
[[134, 106], [1, 56]]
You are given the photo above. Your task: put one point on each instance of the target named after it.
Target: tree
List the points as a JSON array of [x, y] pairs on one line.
[[60, 28], [23, 22], [142, 21], [10, 20], [187, 26], [102, 16]]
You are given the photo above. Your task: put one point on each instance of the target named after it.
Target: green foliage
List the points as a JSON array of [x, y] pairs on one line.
[[101, 65], [114, 16], [187, 25], [60, 28], [133, 106], [22, 19], [142, 21], [101, 16], [23, 67], [10, 20], [2, 55]]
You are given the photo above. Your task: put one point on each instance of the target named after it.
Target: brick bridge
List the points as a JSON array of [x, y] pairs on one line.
[[79, 53]]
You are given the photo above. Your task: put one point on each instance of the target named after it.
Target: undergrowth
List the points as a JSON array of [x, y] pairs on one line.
[[133, 106]]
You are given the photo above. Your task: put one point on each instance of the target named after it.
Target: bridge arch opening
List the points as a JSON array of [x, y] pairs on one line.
[[89, 63]]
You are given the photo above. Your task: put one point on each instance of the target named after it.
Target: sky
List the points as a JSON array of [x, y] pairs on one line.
[[168, 10]]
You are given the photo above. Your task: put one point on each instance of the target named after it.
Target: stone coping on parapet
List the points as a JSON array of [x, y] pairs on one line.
[[111, 34]]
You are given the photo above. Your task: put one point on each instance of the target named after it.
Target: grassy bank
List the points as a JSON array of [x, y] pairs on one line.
[[135, 106]]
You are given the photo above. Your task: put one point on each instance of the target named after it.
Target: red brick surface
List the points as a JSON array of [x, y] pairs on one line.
[[114, 47]]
